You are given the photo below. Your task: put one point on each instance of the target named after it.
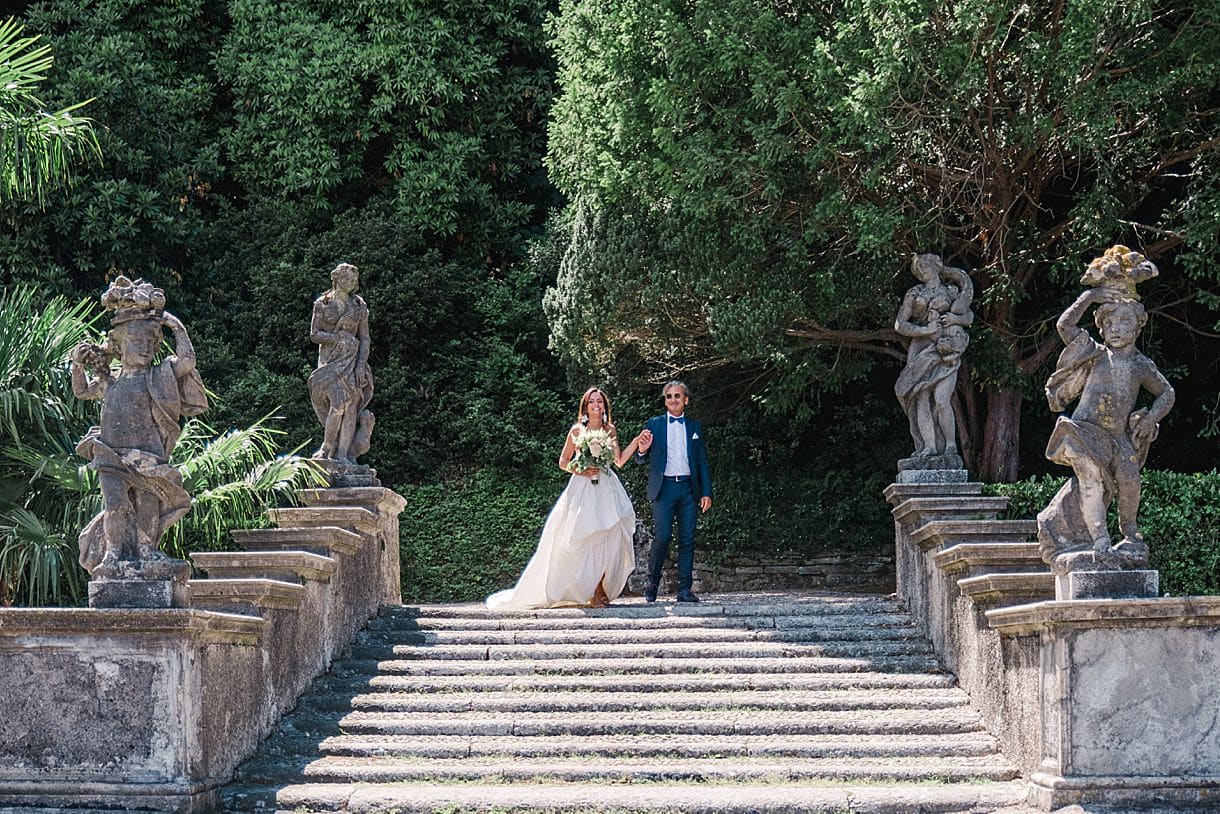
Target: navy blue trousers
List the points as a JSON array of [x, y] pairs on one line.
[[674, 502]]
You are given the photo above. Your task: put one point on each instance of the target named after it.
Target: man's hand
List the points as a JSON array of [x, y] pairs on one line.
[[705, 503], [645, 439]]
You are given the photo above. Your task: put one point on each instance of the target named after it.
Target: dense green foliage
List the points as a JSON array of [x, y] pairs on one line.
[[747, 175], [251, 145], [1179, 516]]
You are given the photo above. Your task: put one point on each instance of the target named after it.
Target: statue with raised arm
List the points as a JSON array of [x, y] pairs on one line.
[[130, 449], [342, 385], [1106, 439], [934, 314]]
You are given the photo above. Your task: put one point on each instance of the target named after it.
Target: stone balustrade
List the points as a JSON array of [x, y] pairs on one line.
[[153, 709], [1098, 701]]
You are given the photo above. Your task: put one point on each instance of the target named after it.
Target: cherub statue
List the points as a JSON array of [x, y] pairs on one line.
[[934, 314], [1106, 440], [342, 385], [142, 494]]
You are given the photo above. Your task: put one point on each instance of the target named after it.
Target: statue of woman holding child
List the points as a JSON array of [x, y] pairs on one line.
[[934, 314]]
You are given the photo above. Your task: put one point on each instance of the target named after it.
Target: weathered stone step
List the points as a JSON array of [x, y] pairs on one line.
[[323, 540], [1009, 588], [353, 518], [634, 770], [944, 744], [389, 622], [720, 605], [945, 533], [941, 507], [978, 559], [580, 666], [358, 683], [652, 636], [657, 682], [287, 566], [796, 798], [734, 722], [664, 650], [590, 701]]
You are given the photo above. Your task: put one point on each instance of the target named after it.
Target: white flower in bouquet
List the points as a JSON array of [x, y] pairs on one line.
[[594, 449]]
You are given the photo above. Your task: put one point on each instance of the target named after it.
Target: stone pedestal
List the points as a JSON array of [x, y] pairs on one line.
[[1107, 585], [138, 593], [156, 582], [344, 475], [1126, 706], [931, 475]]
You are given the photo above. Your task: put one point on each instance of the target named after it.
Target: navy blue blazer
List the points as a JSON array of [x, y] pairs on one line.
[[696, 455]]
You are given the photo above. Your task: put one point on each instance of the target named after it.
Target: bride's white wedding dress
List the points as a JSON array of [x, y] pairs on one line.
[[587, 538]]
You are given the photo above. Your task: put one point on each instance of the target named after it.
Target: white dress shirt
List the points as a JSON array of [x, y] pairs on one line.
[[676, 462]]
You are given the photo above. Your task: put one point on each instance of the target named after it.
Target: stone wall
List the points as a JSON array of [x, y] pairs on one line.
[[1105, 702], [153, 709], [851, 572]]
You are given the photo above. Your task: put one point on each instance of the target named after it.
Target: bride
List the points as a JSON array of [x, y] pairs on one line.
[[584, 555]]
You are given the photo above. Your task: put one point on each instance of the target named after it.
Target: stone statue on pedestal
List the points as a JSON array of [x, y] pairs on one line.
[[142, 493], [934, 314], [342, 386], [1106, 439]]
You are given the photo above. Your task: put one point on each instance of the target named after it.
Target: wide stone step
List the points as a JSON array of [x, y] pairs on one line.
[[603, 624], [582, 666], [637, 701], [662, 650], [739, 606], [729, 722], [654, 683], [392, 623], [944, 744], [653, 636], [611, 798], [634, 770]]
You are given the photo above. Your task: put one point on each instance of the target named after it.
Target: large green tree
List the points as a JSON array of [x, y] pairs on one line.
[[252, 145], [748, 178]]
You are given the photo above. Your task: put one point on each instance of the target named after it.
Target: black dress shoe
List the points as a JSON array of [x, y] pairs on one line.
[[650, 594], [687, 596]]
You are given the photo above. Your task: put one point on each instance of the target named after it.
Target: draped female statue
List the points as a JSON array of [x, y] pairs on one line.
[[934, 315]]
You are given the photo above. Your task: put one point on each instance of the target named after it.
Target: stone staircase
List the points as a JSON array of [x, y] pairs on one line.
[[760, 703]]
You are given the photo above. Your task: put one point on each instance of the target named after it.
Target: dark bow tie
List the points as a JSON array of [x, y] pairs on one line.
[[679, 420]]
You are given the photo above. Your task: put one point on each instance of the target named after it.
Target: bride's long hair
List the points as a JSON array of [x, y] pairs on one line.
[[582, 415]]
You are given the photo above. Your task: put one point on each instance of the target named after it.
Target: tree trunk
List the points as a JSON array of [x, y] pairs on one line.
[[966, 415], [1001, 436]]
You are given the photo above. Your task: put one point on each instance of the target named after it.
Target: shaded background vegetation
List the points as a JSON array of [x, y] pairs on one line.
[[730, 191]]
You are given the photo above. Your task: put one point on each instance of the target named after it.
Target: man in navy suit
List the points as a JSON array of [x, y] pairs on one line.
[[679, 486]]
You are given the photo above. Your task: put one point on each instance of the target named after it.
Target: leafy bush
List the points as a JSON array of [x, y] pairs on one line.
[[1179, 516], [466, 538]]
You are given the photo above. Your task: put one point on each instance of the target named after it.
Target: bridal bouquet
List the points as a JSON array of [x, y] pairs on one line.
[[594, 448]]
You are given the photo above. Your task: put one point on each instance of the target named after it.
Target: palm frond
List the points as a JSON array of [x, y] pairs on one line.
[[38, 148], [38, 561]]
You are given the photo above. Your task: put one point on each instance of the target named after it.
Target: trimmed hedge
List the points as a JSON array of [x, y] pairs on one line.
[[1179, 515]]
